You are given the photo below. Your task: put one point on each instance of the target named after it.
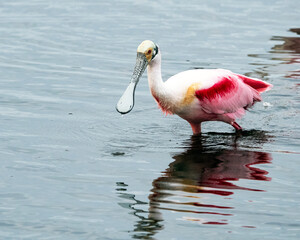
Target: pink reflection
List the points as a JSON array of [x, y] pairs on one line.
[[216, 223], [200, 171], [214, 172]]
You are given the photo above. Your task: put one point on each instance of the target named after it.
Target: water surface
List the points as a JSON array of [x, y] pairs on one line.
[[73, 168]]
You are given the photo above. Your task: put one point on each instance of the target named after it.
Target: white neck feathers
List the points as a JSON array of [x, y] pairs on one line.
[[157, 86]]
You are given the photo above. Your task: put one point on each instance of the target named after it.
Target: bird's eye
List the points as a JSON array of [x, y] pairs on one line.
[[149, 51]]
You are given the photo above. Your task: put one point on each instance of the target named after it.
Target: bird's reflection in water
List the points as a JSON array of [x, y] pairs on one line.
[[202, 171], [145, 227]]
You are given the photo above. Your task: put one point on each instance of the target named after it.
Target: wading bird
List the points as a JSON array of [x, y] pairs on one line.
[[195, 95]]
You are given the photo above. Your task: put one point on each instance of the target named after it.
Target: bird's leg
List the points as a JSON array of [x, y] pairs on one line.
[[237, 127], [196, 127]]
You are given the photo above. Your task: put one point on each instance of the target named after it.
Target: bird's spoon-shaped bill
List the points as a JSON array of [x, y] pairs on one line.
[[126, 102]]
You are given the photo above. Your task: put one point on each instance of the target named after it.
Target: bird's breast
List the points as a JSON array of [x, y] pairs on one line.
[[190, 94], [164, 103]]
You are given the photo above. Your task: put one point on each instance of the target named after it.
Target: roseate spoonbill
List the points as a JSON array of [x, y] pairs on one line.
[[195, 95]]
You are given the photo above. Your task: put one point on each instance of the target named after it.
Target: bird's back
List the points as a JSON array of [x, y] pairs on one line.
[[205, 78]]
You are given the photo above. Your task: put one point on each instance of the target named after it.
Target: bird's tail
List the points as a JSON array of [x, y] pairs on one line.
[[257, 84]]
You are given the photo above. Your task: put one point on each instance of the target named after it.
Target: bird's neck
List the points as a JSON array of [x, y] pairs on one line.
[[155, 81], [157, 86]]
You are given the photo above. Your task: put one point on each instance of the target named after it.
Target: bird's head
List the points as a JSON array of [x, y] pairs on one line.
[[146, 52], [149, 49]]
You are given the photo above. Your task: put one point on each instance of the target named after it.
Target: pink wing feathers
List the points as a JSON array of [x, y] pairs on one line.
[[255, 83], [231, 94]]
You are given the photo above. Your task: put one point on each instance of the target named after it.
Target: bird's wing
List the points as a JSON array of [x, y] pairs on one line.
[[228, 94]]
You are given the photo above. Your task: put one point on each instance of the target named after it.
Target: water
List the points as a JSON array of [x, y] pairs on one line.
[[73, 168]]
